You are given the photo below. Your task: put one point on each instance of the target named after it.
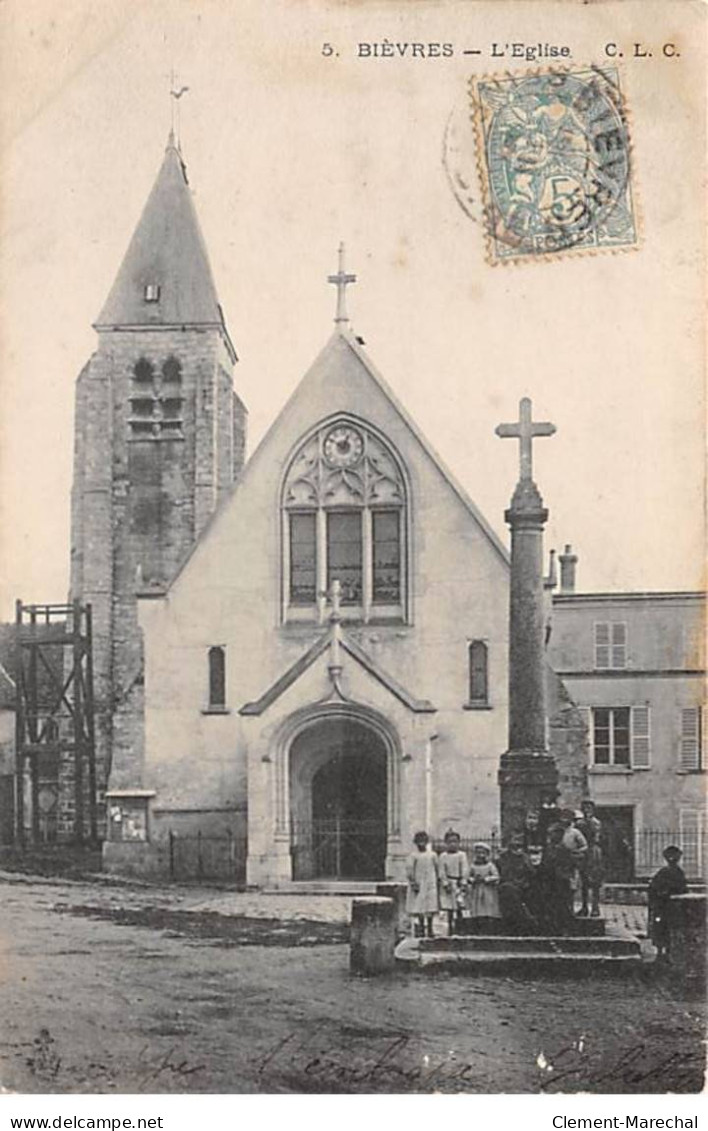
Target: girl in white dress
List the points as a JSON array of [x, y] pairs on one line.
[[454, 868], [422, 894], [483, 898]]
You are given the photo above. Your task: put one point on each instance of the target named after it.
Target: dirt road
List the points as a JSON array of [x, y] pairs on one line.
[[124, 990]]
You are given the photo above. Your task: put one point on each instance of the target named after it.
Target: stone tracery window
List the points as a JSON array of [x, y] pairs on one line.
[[344, 507]]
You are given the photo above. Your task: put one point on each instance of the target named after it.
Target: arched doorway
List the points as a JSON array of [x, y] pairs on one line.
[[338, 801]]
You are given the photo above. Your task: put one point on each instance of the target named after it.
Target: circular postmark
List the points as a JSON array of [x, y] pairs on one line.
[[553, 160]]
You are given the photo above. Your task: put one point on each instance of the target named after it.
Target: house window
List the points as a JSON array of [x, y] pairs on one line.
[[217, 677], [151, 292], [610, 645], [692, 832], [479, 684], [344, 507], [621, 736], [691, 740]]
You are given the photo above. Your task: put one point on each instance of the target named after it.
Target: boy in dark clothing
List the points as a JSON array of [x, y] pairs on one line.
[[558, 870], [669, 880]]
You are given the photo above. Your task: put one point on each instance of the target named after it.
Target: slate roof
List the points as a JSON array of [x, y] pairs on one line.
[[167, 250]]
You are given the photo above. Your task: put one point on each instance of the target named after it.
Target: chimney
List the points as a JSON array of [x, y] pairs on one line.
[[568, 561]]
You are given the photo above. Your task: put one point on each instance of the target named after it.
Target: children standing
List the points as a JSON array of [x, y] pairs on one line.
[[483, 897], [422, 895], [453, 868], [590, 868]]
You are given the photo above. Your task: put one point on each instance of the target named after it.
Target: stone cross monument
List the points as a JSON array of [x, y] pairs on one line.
[[527, 770]]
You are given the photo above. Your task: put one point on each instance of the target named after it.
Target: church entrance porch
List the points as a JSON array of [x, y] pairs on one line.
[[338, 801]]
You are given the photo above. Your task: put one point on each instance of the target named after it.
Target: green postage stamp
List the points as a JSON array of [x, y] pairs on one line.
[[554, 159]]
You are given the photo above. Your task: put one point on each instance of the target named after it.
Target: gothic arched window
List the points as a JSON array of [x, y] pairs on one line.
[[345, 513], [217, 676]]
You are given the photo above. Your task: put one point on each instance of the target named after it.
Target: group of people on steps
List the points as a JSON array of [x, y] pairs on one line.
[[530, 887]]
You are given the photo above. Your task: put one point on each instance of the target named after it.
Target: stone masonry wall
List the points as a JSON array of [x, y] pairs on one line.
[[138, 503]]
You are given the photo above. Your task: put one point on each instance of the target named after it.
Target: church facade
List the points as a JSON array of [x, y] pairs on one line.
[[309, 652]]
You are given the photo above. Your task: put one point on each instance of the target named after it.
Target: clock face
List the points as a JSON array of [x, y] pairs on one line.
[[343, 447]]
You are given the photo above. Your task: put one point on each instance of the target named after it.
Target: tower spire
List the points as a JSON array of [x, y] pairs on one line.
[[341, 280]]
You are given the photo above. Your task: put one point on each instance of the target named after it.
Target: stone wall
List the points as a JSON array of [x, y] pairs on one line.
[[149, 465]]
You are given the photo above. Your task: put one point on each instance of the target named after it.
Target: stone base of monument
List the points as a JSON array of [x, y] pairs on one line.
[[579, 927], [533, 955]]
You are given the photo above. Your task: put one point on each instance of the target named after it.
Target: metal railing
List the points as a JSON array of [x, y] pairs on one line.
[[357, 849], [202, 856], [649, 845]]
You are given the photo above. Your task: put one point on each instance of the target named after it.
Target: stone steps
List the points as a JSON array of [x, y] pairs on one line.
[[323, 887], [532, 955], [530, 944], [579, 926]]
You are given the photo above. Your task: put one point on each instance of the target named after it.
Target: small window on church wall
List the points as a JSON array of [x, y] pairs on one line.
[[217, 677], [344, 557], [478, 665], [303, 549], [143, 370], [171, 370], [152, 292], [386, 533]]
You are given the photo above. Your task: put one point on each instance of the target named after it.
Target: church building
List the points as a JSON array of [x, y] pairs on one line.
[[308, 652]]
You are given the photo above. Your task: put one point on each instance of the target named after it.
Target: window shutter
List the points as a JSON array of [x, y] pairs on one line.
[[586, 716], [619, 644], [641, 738], [690, 741], [602, 644], [691, 834]]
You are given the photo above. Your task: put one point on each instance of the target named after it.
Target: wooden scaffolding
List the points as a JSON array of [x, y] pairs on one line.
[[54, 722]]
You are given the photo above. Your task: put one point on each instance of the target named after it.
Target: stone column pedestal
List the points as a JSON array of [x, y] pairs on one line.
[[524, 777]]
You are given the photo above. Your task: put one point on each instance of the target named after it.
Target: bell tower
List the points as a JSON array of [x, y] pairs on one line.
[[159, 439]]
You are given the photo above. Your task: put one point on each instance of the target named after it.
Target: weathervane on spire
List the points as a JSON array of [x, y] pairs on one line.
[[175, 95], [341, 280]]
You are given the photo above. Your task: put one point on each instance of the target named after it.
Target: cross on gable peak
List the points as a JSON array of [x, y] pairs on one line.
[[335, 598], [524, 430], [341, 280]]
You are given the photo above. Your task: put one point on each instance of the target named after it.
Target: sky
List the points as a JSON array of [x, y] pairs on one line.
[[289, 150]]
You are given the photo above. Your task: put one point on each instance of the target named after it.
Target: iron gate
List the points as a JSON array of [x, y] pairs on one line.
[[337, 848]]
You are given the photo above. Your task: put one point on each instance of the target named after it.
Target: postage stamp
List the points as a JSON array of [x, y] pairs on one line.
[[554, 158]]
